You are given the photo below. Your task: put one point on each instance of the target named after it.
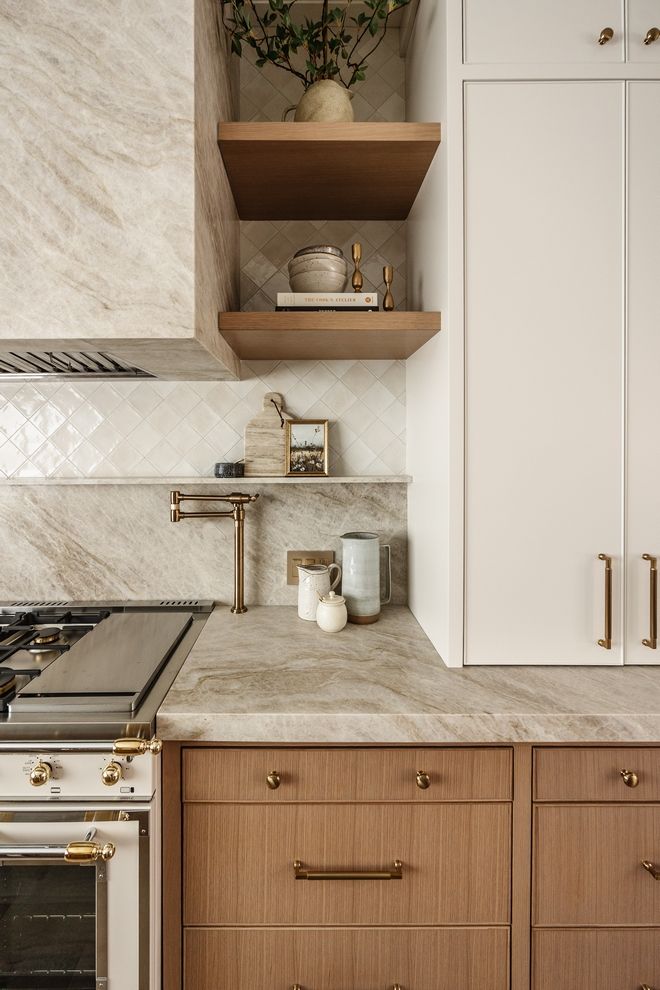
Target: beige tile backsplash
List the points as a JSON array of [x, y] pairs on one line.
[[161, 429]]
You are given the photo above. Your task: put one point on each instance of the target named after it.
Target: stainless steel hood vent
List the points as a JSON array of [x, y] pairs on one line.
[[64, 366]]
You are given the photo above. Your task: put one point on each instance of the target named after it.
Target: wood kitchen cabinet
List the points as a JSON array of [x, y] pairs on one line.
[[530, 879]]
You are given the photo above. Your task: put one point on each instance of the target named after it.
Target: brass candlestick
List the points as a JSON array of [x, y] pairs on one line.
[[357, 281], [388, 278]]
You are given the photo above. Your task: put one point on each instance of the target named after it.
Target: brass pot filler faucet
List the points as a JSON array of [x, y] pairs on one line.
[[238, 501]]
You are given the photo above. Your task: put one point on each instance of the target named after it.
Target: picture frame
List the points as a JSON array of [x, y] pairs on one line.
[[307, 448]]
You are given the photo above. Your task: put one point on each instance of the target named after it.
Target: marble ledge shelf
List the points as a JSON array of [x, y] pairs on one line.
[[381, 479]]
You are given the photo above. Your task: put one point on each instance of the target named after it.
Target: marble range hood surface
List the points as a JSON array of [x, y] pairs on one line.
[[269, 677]]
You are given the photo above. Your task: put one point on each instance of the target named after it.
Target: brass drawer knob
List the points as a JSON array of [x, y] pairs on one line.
[[651, 868], [652, 35], [422, 780], [630, 778], [605, 35], [273, 780]]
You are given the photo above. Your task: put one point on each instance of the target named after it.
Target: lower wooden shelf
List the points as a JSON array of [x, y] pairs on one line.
[[327, 336]]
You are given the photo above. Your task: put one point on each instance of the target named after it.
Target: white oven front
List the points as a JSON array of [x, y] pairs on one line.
[[77, 897]]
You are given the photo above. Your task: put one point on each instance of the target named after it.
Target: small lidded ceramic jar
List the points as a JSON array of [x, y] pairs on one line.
[[331, 613]]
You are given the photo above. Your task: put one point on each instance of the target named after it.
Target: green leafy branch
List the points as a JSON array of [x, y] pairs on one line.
[[332, 44]]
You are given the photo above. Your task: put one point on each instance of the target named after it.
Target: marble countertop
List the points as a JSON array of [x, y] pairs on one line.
[[269, 677]]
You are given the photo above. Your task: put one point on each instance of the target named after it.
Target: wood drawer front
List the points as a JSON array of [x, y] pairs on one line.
[[347, 775], [597, 959], [238, 864], [587, 865], [585, 774], [418, 959]]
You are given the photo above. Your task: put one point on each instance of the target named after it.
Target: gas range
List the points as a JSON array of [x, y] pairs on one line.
[[90, 669]]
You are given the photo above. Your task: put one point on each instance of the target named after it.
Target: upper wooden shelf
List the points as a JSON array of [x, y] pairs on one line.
[[327, 336], [369, 171]]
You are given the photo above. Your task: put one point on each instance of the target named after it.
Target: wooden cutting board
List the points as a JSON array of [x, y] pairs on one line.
[[265, 440]]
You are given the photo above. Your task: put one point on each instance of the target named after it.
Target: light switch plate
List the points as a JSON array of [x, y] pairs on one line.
[[295, 557]]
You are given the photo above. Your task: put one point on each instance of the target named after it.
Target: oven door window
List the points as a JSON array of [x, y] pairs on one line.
[[50, 917]]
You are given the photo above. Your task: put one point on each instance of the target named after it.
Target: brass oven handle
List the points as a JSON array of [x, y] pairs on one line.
[[605, 35], [652, 641], [606, 642], [652, 35], [394, 874], [133, 746], [630, 778], [80, 853], [651, 868]]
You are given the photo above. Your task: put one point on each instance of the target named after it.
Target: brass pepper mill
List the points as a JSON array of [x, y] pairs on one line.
[[357, 281], [388, 277]]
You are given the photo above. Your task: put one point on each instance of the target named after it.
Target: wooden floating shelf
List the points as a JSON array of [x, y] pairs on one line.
[[327, 336], [311, 171]]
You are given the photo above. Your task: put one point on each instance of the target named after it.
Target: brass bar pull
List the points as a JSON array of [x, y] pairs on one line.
[[605, 35], [394, 874], [81, 853], [397, 986], [651, 868], [652, 641], [645, 986], [652, 35], [606, 643]]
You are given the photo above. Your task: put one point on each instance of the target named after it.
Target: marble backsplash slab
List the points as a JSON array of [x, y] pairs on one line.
[[116, 542]]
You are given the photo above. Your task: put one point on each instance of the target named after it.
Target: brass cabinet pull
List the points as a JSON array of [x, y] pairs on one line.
[[606, 642], [651, 868], [394, 874], [652, 35], [273, 780], [422, 780], [630, 778], [652, 641], [605, 35], [645, 986], [397, 986]]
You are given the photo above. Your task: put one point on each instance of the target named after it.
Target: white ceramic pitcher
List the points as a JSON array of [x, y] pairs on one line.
[[314, 583], [361, 581]]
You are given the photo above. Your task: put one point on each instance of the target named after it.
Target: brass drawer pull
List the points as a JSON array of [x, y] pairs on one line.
[[606, 642], [422, 780], [273, 780], [651, 868], [645, 986], [605, 35], [394, 874], [652, 641], [652, 35], [630, 778], [397, 986]]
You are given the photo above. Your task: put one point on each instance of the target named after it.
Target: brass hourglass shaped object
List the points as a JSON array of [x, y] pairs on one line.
[[388, 277], [357, 281]]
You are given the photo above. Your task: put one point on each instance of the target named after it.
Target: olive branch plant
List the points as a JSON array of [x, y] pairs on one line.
[[330, 42]]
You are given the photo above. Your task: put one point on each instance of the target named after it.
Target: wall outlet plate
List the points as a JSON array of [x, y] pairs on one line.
[[295, 557]]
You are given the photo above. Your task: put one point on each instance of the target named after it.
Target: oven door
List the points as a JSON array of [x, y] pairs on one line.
[[74, 898]]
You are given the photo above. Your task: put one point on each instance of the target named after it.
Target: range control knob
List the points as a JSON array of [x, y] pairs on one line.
[[111, 774], [40, 774]]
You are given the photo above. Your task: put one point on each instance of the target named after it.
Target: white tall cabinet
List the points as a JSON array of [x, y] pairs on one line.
[[552, 145]]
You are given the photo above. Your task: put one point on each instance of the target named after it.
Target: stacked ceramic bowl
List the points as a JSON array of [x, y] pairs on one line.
[[321, 268]]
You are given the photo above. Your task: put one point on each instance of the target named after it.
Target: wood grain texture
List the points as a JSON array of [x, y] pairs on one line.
[[327, 336], [590, 774], [587, 865], [171, 866], [265, 439], [238, 864], [312, 171], [597, 959], [347, 775], [419, 959], [521, 881]]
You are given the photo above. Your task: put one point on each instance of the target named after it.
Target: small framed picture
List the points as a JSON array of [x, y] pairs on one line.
[[307, 446]]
